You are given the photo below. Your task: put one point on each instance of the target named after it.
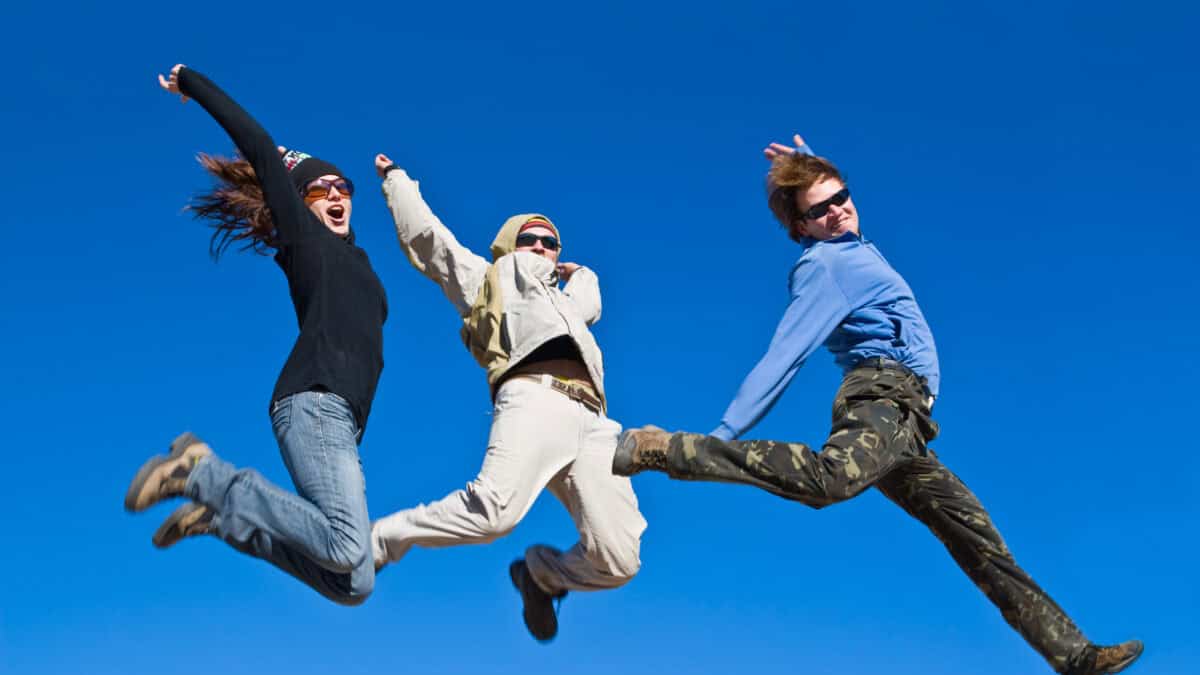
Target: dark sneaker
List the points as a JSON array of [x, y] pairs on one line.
[[1097, 660], [162, 477], [641, 449], [541, 616], [189, 520]]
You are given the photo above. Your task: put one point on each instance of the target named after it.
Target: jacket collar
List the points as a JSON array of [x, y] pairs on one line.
[[809, 242]]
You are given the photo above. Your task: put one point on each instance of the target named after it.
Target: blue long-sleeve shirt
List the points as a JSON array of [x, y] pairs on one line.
[[845, 295]]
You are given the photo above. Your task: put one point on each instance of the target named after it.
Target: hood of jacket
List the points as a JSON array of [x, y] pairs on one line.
[[506, 239]]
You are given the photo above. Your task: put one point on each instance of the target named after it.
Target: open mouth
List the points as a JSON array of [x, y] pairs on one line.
[[336, 212]]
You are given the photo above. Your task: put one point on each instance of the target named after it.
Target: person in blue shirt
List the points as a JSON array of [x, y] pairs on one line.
[[846, 296]]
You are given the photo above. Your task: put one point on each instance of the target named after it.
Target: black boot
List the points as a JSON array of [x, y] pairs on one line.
[[541, 616]]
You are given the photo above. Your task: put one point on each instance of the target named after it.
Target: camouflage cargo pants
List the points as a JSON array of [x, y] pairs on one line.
[[881, 424]]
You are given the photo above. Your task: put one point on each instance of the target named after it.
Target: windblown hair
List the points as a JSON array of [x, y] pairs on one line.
[[794, 174], [235, 207]]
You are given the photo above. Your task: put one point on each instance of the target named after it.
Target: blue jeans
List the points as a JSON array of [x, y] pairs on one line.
[[321, 535]]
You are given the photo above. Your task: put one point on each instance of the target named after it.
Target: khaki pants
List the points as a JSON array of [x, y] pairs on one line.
[[539, 439]]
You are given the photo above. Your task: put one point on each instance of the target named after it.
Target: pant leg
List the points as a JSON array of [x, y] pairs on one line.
[[874, 429], [525, 451], [931, 493], [321, 535], [605, 510]]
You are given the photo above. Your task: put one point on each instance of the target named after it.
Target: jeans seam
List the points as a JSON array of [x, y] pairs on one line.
[[326, 483], [327, 474]]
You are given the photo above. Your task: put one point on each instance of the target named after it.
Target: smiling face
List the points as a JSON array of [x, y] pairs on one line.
[[328, 197], [836, 219], [538, 237]]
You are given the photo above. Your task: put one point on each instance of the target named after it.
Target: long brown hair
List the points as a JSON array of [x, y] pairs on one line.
[[235, 207]]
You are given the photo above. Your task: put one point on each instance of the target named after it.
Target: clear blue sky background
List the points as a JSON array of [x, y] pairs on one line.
[[1030, 168]]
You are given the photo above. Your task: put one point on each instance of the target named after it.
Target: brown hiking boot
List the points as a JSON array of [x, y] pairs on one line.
[[189, 520], [162, 477], [540, 614], [1097, 660], [641, 449]]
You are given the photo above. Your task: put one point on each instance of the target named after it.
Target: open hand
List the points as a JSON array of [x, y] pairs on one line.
[[172, 84], [778, 149]]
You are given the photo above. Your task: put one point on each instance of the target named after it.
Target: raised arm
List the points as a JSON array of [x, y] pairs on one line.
[[292, 218], [583, 289], [430, 246], [776, 149], [816, 308]]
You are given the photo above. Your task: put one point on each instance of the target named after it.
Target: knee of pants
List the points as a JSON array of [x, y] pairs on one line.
[[348, 551], [827, 500], [497, 514], [836, 493], [358, 592], [618, 559], [501, 523]]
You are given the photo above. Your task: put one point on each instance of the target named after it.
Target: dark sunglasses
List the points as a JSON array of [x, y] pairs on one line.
[[549, 242], [821, 208], [319, 188]]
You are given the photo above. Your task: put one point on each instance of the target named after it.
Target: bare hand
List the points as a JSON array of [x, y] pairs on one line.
[[566, 269], [172, 84], [778, 149], [382, 162]]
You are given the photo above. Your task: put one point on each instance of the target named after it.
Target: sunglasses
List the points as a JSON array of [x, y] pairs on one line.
[[821, 208], [319, 189], [549, 242]]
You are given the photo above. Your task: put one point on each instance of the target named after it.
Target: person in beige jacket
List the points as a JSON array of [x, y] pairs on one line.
[[549, 427]]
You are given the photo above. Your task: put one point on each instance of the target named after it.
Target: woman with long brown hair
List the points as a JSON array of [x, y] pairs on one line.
[[298, 207]]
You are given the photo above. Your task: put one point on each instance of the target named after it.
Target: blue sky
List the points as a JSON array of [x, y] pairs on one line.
[[1028, 167]]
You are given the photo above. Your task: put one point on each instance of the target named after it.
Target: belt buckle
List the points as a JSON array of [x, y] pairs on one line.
[[571, 391]]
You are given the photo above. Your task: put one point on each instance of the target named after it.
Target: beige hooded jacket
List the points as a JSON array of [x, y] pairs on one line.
[[510, 306]]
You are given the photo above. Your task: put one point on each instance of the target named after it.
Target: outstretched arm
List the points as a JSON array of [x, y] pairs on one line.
[[292, 218], [430, 246], [816, 308]]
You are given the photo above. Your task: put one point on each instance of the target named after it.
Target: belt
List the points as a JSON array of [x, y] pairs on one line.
[[884, 363], [579, 393]]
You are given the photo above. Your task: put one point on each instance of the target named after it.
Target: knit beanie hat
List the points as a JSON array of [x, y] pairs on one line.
[[304, 168]]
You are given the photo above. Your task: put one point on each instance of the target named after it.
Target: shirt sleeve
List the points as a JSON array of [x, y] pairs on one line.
[[816, 308], [292, 218], [430, 246], [583, 289]]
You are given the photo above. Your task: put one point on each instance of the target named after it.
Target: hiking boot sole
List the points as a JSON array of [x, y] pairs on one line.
[[622, 464], [1128, 660], [178, 447], [174, 528]]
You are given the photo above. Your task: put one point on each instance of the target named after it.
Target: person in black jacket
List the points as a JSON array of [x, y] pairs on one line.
[[299, 207]]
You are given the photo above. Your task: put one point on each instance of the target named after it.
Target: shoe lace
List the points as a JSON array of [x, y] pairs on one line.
[[653, 457], [1111, 655]]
